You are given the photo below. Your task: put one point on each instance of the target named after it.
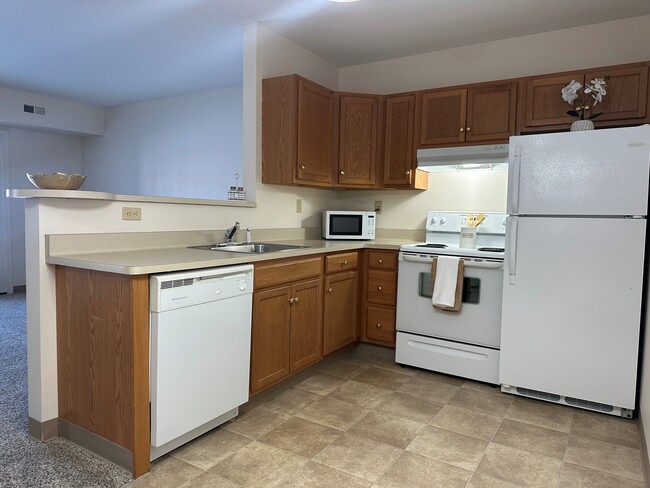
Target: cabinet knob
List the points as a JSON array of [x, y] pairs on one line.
[[303, 167], [462, 129], [408, 173], [468, 129], [379, 288], [329, 290], [343, 173], [378, 326], [291, 300], [380, 261], [295, 300], [345, 262]]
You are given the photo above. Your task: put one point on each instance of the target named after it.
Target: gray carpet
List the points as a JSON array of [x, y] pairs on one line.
[[25, 462]]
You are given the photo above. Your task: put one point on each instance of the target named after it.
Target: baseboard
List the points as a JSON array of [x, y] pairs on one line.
[[43, 431], [644, 453], [20, 289], [97, 445]]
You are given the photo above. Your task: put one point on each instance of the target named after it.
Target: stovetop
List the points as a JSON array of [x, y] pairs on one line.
[[443, 236]]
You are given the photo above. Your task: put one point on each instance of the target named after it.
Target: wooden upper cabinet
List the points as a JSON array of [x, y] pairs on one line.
[[358, 139], [399, 150], [626, 102], [298, 140], [481, 113]]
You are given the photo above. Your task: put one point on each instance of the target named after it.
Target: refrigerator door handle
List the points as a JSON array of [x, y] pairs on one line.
[[514, 169], [511, 232]]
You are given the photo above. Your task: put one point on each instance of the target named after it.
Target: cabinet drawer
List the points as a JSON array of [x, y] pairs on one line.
[[278, 272], [382, 259], [381, 287], [340, 262], [380, 324]]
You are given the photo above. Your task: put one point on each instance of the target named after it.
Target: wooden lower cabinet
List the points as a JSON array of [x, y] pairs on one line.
[[380, 324], [340, 311], [380, 297], [306, 329]]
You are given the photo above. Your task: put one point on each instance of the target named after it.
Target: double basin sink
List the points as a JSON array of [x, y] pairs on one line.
[[249, 247]]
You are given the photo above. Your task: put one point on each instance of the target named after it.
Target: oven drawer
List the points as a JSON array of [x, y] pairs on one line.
[[474, 362], [382, 288], [380, 324]]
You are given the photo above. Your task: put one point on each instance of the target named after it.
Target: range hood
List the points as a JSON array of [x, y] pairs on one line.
[[463, 158]]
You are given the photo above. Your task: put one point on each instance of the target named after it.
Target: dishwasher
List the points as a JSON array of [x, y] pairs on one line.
[[200, 340]]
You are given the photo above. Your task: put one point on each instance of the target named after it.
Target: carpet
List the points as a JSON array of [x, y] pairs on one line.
[[24, 461]]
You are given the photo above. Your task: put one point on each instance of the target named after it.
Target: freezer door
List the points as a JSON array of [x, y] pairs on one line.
[[572, 307], [603, 172]]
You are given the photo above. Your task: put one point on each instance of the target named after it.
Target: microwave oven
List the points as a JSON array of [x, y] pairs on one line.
[[350, 225]]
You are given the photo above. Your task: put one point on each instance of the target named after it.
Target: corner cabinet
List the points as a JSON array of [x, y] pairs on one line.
[[287, 327], [483, 113], [298, 138], [626, 102], [380, 293]]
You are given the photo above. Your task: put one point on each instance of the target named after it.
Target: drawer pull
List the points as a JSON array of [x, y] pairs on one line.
[[342, 173], [345, 262], [379, 288], [380, 261], [378, 325], [303, 167], [329, 290]]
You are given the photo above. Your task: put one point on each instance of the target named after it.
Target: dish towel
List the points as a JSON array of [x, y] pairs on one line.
[[447, 283]]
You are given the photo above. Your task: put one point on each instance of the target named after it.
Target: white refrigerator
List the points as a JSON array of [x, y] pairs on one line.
[[574, 267]]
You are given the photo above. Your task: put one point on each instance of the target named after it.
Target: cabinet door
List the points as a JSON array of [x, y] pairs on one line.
[[306, 330], [270, 337], [315, 133], [399, 154], [443, 117], [543, 99], [627, 91], [340, 311], [359, 123], [491, 112]]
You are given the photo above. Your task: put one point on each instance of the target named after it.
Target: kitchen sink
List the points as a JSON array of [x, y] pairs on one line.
[[249, 247]]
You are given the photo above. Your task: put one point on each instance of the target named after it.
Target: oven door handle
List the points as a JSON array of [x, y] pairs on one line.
[[468, 264]]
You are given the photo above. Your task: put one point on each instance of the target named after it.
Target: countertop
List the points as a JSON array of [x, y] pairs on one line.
[[148, 261]]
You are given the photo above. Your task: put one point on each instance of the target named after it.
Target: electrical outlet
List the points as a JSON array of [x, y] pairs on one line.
[[378, 204], [131, 213], [298, 205]]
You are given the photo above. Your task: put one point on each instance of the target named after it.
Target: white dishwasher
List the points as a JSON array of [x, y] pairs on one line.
[[200, 339]]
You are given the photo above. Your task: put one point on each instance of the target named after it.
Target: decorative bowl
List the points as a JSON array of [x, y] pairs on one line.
[[56, 181]]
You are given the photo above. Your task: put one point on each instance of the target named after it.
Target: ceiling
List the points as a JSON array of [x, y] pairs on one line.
[[110, 52]]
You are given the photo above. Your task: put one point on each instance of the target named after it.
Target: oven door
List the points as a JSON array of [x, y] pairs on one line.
[[479, 319]]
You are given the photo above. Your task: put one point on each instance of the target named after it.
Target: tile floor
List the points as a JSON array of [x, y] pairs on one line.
[[363, 421]]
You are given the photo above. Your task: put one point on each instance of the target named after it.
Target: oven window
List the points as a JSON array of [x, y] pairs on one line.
[[471, 288], [345, 225]]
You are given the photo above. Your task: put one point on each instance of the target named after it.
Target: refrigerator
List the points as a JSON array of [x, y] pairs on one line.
[[574, 267]]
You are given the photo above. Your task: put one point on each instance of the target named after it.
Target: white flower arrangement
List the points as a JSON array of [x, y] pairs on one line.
[[591, 96]]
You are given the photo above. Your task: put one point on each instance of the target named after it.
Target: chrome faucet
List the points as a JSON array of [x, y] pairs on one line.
[[230, 232]]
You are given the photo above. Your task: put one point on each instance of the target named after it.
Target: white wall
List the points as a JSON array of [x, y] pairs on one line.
[[60, 115], [183, 146], [35, 152]]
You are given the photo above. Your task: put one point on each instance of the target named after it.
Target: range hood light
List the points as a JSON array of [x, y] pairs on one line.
[[474, 166]]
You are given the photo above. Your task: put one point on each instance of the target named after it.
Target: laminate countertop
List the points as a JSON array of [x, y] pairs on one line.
[[149, 261]]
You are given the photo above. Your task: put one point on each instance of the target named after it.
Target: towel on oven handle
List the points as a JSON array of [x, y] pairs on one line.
[[447, 283]]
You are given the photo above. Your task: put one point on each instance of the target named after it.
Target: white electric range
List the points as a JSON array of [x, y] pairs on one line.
[[464, 343]]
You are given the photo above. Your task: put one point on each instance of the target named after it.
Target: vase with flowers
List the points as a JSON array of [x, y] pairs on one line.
[[591, 95]]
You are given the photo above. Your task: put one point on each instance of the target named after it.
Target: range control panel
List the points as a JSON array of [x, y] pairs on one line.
[[494, 223]]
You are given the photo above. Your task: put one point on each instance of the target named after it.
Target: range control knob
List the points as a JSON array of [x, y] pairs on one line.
[[443, 220], [242, 285], [503, 222]]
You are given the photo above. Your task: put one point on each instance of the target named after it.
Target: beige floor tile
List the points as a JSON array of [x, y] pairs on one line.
[[358, 456], [449, 447], [315, 475], [605, 456], [531, 438], [167, 472], [605, 428], [301, 437], [258, 465], [391, 365], [291, 401], [362, 358], [440, 377], [386, 428], [542, 414], [333, 412], [480, 402], [321, 384], [209, 449], [484, 481], [256, 422], [383, 378], [519, 467], [430, 390], [484, 387], [415, 471], [409, 407], [363, 394], [345, 369], [574, 476], [208, 480], [465, 422]]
